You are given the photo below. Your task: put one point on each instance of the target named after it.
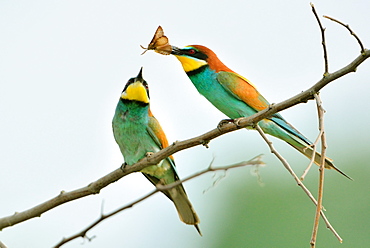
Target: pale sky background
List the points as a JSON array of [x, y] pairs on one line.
[[63, 65]]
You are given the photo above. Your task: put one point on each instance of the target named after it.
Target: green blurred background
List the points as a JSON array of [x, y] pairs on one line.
[[279, 214]]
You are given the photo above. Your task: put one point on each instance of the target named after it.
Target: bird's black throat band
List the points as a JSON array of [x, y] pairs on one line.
[[141, 104], [196, 71]]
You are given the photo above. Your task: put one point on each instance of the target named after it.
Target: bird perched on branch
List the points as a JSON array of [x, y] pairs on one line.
[[236, 97], [137, 133], [231, 93]]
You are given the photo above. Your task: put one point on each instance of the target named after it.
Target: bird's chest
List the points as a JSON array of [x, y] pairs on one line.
[[206, 83], [130, 132]]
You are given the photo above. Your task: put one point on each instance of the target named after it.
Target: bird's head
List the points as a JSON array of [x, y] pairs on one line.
[[136, 89], [196, 56]]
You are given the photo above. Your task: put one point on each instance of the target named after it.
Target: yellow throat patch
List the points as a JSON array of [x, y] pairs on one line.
[[136, 92], [190, 64]]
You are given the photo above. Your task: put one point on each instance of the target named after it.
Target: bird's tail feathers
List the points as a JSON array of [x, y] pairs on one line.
[[183, 206], [308, 152]]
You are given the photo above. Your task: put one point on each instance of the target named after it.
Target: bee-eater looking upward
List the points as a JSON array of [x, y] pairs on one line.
[[236, 97], [137, 132]]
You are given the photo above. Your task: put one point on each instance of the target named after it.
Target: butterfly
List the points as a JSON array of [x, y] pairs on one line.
[[159, 43]]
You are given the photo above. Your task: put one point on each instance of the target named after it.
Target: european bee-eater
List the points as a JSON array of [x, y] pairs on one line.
[[236, 97], [137, 133]]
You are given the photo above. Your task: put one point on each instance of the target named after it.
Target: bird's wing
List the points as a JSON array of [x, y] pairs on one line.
[[156, 132], [243, 89]]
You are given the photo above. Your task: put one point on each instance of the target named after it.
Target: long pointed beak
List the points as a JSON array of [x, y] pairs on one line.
[[176, 51], [139, 77]]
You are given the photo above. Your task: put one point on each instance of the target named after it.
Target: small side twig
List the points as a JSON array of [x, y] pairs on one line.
[[349, 29], [299, 182], [82, 234], [312, 160], [322, 29]]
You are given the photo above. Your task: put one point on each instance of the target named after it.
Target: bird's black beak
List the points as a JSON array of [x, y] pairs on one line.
[[176, 51], [139, 77]]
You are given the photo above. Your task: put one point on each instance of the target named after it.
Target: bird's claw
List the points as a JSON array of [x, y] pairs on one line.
[[223, 122], [123, 166]]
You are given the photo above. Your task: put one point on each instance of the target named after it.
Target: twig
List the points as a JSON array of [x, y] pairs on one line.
[[299, 182], [115, 175], [320, 112], [312, 160], [254, 161], [350, 30], [323, 40], [82, 234]]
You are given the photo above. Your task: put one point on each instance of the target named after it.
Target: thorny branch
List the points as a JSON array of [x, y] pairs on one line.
[[254, 161], [320, 112]]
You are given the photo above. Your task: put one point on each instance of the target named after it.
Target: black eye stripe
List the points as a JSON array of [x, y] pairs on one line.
[[132, 80], [195, 54], [127, 84], [192, 51], [147, 88]]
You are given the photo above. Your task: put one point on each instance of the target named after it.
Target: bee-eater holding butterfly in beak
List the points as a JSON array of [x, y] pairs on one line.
[[236, 97], [137, 133]]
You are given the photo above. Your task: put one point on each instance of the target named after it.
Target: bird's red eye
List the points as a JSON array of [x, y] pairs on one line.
[[191, 51]]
